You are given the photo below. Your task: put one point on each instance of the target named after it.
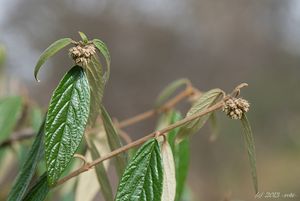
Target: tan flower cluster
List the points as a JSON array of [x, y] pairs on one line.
[[236, 107], [82, 54]]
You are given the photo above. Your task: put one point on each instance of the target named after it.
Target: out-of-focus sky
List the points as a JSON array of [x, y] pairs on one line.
[[214, 43]]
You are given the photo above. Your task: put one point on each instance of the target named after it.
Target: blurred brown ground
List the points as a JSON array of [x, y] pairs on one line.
[[214, 43]]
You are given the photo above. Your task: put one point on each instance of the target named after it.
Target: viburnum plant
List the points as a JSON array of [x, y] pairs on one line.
[[155, 171]]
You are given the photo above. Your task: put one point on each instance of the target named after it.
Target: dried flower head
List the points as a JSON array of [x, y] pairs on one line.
[[236, 107], [82, 54]]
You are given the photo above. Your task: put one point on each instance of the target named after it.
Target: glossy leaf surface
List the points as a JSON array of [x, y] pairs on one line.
[[143, 177], [66, 120]]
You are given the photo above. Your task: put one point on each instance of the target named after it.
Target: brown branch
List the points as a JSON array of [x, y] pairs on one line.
[[24, 134], [150, 113], [140, 141]]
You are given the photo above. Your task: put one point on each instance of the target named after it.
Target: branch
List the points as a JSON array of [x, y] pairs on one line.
[[26, 134], [168, 105], [140, 141]]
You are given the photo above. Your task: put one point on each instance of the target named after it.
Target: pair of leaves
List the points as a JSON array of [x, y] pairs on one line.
[[66, 120], [27, 171], [143, 177], [61, 43], [206, 100]]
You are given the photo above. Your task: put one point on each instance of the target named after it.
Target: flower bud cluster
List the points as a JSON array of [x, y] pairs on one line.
[[82, 54], [236, 107]]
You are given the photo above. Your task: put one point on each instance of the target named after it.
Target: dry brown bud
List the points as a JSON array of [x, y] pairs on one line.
[[82, 54], [236, 107]]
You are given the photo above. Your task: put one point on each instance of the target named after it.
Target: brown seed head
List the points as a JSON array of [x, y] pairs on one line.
[[236, 107], [82, 54]]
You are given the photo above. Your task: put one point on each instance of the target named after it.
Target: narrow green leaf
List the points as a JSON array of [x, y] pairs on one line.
[[169, 90], [27, 171], [249, 140], [143, 177], [39, 190], [205, 101], [10, 111], [102, 175], [49, 52], [95, 77], [114, 142], [169, 182], [182, 159], [83, 37], [66, 121], [101, 46], [181, 152]]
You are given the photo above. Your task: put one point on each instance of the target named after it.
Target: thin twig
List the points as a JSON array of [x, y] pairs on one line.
[[140, 141], [23, 134], [168, 105]]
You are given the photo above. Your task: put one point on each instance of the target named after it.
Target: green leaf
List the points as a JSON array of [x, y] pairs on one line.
[[206, 100], [66, 121], [169, 90], [181, 152], [10, 111], [39, 190], [49, 52], [249, 140], [169, 183], [143, 177], [95, 77], [102, 175], [83, 37], [27, 171], [114, 142], [182, 159], [101, 46]]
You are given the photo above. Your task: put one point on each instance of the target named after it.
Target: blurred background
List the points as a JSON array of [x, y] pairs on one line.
[[214, 43]]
